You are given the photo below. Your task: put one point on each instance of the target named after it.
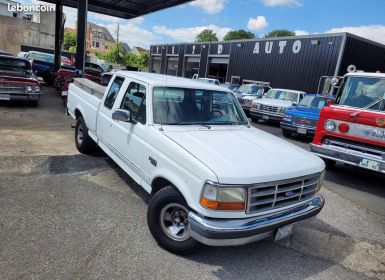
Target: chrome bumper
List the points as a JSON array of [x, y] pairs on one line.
[[346, 156], [271, 116], [294, 128], [230, 232]]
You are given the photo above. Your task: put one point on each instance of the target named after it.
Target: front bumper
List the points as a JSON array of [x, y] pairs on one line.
[[246, 109], [294, 128], [20, 97], [230, 232], [265, 115], [347, 156]]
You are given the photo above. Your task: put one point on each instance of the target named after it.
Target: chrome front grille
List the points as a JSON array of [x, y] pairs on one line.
[[12, 88], [304, 121], [268, 108], [363, 148], [270, 196]]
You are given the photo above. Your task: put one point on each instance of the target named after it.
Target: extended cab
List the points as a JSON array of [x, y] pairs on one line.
[[352, 130], [214, 178], [272, 107], [17, 80]]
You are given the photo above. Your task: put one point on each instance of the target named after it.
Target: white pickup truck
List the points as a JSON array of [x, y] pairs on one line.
[[213, 178]]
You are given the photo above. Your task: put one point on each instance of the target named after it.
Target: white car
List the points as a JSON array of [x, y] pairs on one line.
[[214, 179], [209, 81], [273, 106]]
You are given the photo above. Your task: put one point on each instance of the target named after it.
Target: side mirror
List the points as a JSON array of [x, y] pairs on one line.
[[330, 102], [121, 115]]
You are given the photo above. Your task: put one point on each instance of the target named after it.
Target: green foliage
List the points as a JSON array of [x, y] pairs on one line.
[[238, 35], [280, 33], [69, 40], [119, 55], [206, 35], [72, 49], [98, 55]]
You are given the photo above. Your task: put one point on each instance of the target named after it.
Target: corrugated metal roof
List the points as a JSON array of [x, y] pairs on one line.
[[124, 8]]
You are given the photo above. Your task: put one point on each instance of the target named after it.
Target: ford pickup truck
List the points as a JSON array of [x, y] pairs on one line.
[[272, 107], [214, 179], [352, 130]]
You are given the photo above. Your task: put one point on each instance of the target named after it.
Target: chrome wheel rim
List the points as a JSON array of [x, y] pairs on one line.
[[174, 221], [80, 134]]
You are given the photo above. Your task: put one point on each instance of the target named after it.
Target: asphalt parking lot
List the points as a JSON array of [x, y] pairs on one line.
[[69, 216]]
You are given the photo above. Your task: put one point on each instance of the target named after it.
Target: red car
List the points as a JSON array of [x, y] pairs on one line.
[[17, 80]]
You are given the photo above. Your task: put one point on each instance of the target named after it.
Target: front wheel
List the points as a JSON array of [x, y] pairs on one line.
[[330, 164], [254, 119], [167, 219], [286, 133]]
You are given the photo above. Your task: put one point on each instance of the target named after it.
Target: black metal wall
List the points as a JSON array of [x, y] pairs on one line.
[[290, 62], [365, 55], [300, 69]]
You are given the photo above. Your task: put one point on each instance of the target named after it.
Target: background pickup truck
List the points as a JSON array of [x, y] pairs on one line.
[[213, 178]]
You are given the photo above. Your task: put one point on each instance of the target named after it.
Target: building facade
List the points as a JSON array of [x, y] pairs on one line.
[[99, 39], [287, 62]]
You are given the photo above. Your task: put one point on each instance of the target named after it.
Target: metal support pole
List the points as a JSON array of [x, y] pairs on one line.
[[81, 36], [58, 33]]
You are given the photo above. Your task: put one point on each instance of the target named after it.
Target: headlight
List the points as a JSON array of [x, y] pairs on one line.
[[253, 104], [28, 89], [216, 197], [282, 110], [37, 88], [330, 125], [287, 118]]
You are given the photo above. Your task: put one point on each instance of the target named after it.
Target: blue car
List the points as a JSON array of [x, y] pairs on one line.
[[303, 118]]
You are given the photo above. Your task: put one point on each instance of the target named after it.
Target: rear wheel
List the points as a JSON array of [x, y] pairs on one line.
[[254, 119], [167, 219], [84, 142]]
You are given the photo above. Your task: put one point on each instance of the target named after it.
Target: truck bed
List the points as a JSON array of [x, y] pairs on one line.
[[86, 96]]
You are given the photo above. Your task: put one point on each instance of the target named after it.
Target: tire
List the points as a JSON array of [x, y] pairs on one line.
[[286, 133], [169, 202], [33, 103], [254, 119], [83, 141], [330, 164]]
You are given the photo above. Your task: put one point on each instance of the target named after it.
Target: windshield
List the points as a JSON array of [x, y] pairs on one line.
[[313, 102], [182, 106], [10, 64], [362, 92], [282, 95]]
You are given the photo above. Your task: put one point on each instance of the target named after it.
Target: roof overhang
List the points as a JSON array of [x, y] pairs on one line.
[[126, 9]]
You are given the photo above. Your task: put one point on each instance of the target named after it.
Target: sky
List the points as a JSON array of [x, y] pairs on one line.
[[183, 23]]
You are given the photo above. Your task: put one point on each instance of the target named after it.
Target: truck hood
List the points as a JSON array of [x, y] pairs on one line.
[[303, 112], [246, 156], [275, 102]]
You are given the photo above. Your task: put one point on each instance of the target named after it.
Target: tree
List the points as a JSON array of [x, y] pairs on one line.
[[69, 40], [115, 55], [206, 35], [238, 34], [279, 33]]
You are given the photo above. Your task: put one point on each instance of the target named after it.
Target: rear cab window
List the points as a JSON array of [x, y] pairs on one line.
[[113, 92]]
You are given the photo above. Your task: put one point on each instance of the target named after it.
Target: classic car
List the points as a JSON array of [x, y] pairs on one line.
[[303, 118], [17, 80], [247, 93], [274, 104], [163, 131]]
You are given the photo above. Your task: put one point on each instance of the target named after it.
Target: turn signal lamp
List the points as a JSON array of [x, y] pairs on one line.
[[343, 127], [217, 197]]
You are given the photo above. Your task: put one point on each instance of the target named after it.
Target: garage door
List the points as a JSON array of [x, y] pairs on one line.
[[219, 60]]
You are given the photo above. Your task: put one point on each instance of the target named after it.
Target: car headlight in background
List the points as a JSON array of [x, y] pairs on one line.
[[330, 125], [254, 104], [282, 110], [28, 89], [37, 88], [216, 197], [287, 118]]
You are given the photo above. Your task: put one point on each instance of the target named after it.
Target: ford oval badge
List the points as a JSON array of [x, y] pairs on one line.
[[289, 194]]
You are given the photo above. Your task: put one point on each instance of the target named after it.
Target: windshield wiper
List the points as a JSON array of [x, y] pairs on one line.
[[375, 102]]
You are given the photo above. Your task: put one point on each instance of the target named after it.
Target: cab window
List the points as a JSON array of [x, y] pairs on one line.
[[113, 92], [134, 101]]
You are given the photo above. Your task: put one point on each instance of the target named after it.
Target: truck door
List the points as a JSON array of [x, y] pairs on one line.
[[104, 115], [129, 137]]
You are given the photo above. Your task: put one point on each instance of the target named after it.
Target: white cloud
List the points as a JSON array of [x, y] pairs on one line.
[[371, 32], [133, 35], [71, 16], [301, 32], [289, 3], [257, 24], [189, 34], [210, 6]]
